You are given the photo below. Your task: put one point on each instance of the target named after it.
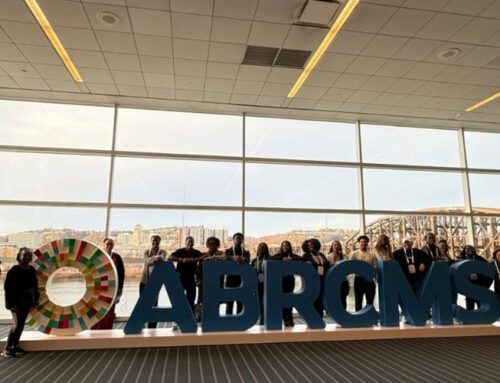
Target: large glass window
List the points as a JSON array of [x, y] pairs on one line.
[[55, 125], [297, 186], [53, 177], [184, 182], [409, 146], [487, 233], [485, 191], [300, 139], [176, 132], [413, 190], [482, 150]]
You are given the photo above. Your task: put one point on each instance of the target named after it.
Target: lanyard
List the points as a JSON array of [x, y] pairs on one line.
[[412, 257], [433, 255], [496, 265], [320, 262]]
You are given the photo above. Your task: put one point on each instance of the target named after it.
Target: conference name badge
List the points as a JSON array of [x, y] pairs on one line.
[[411, 269], [261, 277], [320, 270], [473, 277]]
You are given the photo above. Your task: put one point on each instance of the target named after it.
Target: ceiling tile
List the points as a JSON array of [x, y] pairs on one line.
[[350, 81], [190, 49], [37, 54], [3, 37], [482, 77], [432, 88], [219, 85], [464, 49], [369, 18], [284, 75], [11, 53], [31, 83], [123, 77], [388, 99], [222, 70], [189, 95], [157, 64], [365, 65], [405, 86], [162, 5], [335, 94], [305, 38], [281, 11], [425, 71], [200, 7], [157, 80], [301, 103], [154, 46], [311, 92], [328, 105], [477, 31], [24, 33], [189, 82], [493, 40], [248, 87], [454, 73], [63, 86], [269, 101], [376, 109], [14, 10], [226, 53], [243, 99], [235, 8], [94, 11], [131, 90], [101, 76], [466, 7], [253, 72], [351, 107], [384, 46], [432, 5], [492, 11], [268, 34], [230, 30], [443, 26], [150, 22], [478, 56], [412, 101], [190, 67], [364, 97], [350, 42], [19, 69], [88, 59], [65, 13], [53, 72], [216, 96], [320, 78], [194, 27], [406, 22], [122, 61], [379, 84], [97, 88], [116, 42], [395, 68], [77, 38], [161, 93], [334, 62], [7, 82], [272, 89], [110, 2], [417, 49]]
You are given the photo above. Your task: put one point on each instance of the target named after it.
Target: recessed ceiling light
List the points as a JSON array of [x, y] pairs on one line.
[[448, 54], [108, 19]]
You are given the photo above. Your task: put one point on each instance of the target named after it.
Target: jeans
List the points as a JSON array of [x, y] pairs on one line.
[[19, 318]]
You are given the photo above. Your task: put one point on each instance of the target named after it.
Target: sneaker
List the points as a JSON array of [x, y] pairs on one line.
[[19, 351], [9, 353], [175, 327]]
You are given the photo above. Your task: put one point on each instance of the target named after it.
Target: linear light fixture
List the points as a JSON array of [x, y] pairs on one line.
[[482, 102], [337, 25], [52, 36]]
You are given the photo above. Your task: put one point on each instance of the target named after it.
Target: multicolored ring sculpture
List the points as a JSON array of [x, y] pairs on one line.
[[101, 286]]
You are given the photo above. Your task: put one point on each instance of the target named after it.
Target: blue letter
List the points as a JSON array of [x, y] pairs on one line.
[[367, 316], [489, 309], [394, 288], [163, 274], [275, 300], [214, 295]]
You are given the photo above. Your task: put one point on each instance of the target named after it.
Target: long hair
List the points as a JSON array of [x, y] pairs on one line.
[[289, 244], [21, 251], [331, 247], [463, 254], [316, 244], [263, 251], [378, 245]]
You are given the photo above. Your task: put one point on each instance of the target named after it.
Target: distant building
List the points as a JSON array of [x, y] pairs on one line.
[[123, 238], [137, 236], [27, 238]]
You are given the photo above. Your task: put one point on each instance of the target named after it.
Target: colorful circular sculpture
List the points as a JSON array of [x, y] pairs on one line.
[[101, 283]]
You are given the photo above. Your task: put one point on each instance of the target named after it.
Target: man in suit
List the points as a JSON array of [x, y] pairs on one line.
[[238, 254], [413, 262], [431, 249]]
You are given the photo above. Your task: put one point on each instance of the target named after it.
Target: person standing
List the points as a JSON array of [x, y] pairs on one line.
[[363, 288], [430, 248], [152, 257], [469, 253], [238, 254], [286, 255], [315, 257], [496, 261], [383, 249], [413, 262], [445, 250], [21, 294], [106, 323], [187, 260], [336, 255], [258, 263]]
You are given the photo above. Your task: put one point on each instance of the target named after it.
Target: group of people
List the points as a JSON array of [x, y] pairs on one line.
[[21, 287]]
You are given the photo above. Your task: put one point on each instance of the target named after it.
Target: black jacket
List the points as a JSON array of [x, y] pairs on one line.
[[482, 280], [187, 269], [308, 257], [419, 257], [21, 288]]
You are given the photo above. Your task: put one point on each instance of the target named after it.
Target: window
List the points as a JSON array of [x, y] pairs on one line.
[[409, 146], [185, 182], [413, 190], [55, 125], [300, 139], [296, 186], [484, 190], [487, 234], [275, 227], [53, 177], [482, 150], [176, 132]]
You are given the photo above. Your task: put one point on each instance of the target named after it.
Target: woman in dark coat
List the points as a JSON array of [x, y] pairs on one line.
[[321, 265], [21, 294]]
